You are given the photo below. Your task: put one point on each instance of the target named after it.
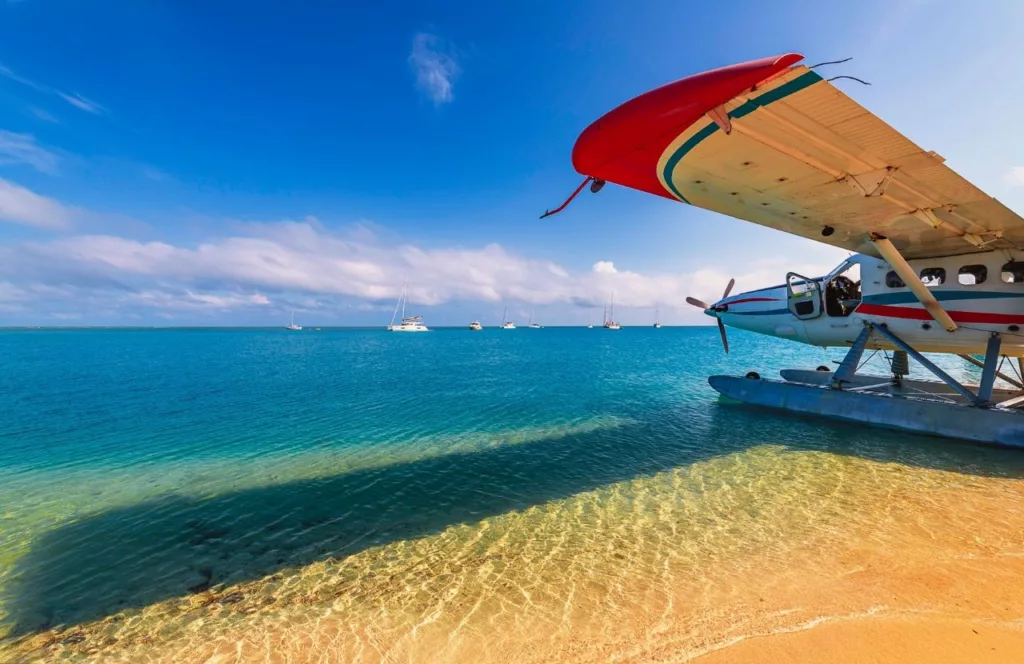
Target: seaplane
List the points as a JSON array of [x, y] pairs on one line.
[[936, 265]]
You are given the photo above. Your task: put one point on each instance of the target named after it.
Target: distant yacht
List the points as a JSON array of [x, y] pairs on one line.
[[609, 316], [506, 324], [292, 325], [657, 318], [475, 325], [533, 325], [409, 323]]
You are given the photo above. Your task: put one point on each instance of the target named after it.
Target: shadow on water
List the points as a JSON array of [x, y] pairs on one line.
[[169, 547]]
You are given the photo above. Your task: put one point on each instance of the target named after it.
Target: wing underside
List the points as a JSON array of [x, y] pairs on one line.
[[797, 154]]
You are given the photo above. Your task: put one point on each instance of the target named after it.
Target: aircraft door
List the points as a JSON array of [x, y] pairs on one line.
[[803, 296]]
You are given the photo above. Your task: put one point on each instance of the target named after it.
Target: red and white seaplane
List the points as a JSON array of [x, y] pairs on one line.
[[940, 263]]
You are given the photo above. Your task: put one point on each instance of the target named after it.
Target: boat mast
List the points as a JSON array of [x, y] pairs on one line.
[[405, 287], [400, 297]]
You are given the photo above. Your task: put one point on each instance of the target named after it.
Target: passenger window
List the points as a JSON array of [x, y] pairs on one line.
[[1013, 272], [933, 276], [972, 275], [892, 280]]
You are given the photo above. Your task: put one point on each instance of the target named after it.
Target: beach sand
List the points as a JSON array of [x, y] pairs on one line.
[[909, 640], [760, 557]]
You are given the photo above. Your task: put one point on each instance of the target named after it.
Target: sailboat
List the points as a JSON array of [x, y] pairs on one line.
[[657, 318], [292, 325], [533, 325], [506, 324], [609, 320], [409, 323]]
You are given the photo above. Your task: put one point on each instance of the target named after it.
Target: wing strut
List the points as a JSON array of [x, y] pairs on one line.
[[913, 282]]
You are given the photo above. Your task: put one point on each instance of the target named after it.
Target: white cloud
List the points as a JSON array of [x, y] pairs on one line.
[[1015, 176], [434, 64], [301, 264], [76, 100], [21, 206], [23, 149], [305, 265]]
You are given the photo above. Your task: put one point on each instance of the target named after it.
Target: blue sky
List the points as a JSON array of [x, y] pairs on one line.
[[223, 163]]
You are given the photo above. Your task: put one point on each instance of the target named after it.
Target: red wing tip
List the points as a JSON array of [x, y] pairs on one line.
[[655, 114], [788, 59]]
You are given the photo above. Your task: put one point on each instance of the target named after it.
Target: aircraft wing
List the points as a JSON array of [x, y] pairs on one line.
[[774, 143]]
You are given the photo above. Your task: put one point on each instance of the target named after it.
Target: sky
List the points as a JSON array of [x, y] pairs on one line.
[[224, 163]]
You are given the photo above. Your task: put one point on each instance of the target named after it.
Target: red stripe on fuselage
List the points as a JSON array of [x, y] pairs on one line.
[[913, 313]]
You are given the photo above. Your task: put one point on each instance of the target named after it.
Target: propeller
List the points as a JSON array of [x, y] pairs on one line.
[[705, 306]]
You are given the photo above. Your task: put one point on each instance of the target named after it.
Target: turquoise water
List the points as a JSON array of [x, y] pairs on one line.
[[140, 467]]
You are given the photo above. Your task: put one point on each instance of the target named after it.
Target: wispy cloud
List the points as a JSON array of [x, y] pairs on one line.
[[1015, 176], [76, 100], [43, 114], [21, 206], [80, 102], [23, 149], [433, 60]]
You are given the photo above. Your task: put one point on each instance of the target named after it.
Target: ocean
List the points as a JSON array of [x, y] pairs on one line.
[[562, 494]]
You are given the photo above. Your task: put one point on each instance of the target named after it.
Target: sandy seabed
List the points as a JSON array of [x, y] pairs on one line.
[[767, 555]]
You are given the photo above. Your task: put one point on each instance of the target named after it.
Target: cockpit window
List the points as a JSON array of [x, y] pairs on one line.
[[972, 275], [1013, 272], [933, 276], [892, 280]]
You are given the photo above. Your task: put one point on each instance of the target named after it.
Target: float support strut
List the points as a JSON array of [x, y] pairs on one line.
[[999, 374], [848, 367], [988, 372], [927, 364]]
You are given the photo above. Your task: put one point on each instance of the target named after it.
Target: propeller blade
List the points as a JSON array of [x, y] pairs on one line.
[[725, 339], [697, 303], [728, 289]]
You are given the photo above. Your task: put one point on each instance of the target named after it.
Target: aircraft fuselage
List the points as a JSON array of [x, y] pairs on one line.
[[983, 293]]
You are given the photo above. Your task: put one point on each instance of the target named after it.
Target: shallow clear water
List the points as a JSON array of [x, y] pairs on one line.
[[456, 493]]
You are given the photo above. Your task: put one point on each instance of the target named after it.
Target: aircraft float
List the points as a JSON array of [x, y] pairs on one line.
[[941, 264]]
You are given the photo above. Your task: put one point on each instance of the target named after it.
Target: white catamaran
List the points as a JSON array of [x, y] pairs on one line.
[[532, 325], [507, 324], [409, 323], [292, 325]]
